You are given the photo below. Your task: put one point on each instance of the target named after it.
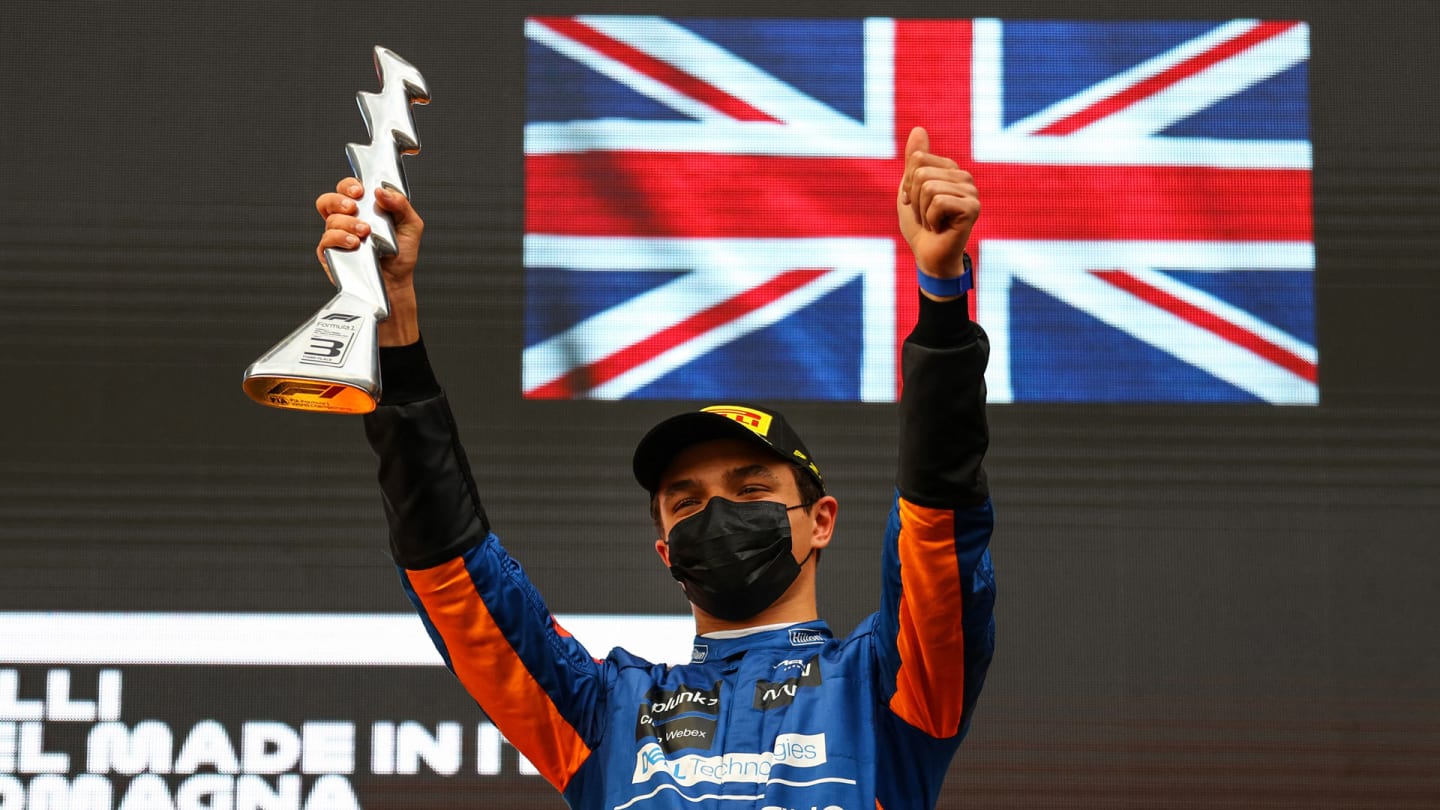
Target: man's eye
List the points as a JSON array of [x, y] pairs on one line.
[[683, 504], [753, 489]]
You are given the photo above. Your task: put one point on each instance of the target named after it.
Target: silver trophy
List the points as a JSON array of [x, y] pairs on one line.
[[331, 364]]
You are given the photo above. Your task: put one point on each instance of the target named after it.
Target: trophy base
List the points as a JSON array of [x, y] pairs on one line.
[[330, 364], [309, 394]]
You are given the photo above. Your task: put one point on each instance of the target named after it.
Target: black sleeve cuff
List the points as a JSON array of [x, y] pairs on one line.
[[943, 324], [431, 502], [405, 374], [943, 431]]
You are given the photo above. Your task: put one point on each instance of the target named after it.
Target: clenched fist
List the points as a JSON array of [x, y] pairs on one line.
[[344, 230]]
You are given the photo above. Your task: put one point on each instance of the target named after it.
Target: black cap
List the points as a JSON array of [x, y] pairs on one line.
[[765, 427]]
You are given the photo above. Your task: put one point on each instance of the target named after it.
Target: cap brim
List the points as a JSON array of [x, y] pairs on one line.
[[665, 441]]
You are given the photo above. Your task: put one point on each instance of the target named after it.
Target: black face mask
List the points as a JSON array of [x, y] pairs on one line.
[[733, 558]]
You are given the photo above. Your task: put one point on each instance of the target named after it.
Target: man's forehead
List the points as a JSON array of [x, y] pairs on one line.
[[719, 458]]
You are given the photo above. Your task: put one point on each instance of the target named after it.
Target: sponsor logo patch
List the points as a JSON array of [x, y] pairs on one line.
[[803, 638], [679, 718], [792, 675], [757, 421], [790, 750]]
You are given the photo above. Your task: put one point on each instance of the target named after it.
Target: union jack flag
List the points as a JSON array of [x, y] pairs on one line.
[[710, 206]]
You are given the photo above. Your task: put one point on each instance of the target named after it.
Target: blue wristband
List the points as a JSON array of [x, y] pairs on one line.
[[961, 284]]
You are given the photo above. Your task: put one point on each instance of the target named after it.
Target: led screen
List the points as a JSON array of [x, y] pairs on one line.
[[1215, 552]]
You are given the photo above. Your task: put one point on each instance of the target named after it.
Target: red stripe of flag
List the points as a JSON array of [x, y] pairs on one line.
[[1160, 81], [693, 195], [663, 72], [584, 378], [1210, 322]]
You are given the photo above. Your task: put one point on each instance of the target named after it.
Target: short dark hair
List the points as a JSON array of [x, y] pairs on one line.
[[810, 492]]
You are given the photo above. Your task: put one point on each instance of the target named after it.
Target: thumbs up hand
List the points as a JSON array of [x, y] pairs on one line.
[[938, 205]]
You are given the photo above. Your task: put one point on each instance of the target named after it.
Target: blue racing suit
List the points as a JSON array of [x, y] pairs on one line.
[[790, 718]]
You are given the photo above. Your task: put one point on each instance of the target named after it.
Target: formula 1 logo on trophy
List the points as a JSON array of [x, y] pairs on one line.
[[331, 364]]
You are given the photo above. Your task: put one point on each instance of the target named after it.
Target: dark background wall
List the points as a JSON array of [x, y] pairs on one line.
[[1201, 606]]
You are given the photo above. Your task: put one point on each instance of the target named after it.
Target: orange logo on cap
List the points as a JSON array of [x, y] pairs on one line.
[[755, 420]]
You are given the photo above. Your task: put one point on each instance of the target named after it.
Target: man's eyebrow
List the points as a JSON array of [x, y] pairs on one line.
[[751, 471], [679, 486]]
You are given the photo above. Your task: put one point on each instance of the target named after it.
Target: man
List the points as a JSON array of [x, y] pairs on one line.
[[773, 712]]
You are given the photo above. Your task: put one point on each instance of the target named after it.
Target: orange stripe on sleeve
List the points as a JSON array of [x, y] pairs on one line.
[[930, 683], [494, 675]]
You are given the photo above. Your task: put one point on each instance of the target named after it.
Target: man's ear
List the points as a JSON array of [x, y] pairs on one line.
[[823, 513], [663, 549]]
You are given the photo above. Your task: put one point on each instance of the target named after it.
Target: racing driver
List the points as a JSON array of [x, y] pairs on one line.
[[773, 712]]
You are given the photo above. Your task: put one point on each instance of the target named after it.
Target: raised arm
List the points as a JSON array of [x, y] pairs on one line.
[[936, 620], [535, 682]]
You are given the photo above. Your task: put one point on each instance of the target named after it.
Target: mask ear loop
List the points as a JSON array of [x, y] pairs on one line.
[[812, 548]]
